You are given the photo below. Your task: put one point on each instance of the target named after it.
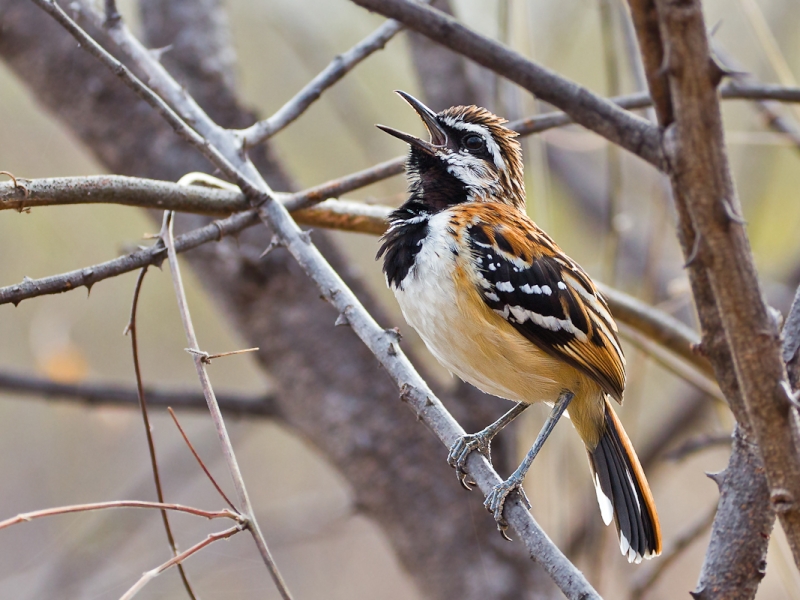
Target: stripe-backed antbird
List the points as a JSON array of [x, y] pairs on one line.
[[500, 305]]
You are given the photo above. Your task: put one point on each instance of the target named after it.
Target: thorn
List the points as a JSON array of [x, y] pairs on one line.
[[89, 289], [731, 213], [428, 401], [306, 236], [341, 320], [717, 477], [274, 243], [694, 253], [157, 53]]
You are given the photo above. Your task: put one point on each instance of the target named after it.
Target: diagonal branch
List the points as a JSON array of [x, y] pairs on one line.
[[585, 107], [332, 74]]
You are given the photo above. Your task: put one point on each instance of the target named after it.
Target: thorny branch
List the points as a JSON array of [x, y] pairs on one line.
[[75, 508], [273, 203], [151, 446], [148, 576], [413, 388], [216, 414]]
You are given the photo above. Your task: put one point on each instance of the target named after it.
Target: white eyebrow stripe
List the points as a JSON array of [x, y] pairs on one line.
[[491, 145]]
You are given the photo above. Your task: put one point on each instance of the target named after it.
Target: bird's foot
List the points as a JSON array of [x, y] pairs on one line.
[[462, 448], [496, 500]]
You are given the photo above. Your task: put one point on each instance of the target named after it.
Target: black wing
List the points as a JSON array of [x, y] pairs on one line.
[[525, 278]]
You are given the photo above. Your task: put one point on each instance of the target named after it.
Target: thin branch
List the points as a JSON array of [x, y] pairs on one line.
[[75, 508], [696, 444], [216, 414], [644, 583], [333, 73], [198, 459], [151, 446], [148, 576], [98, 393], [657, 325]]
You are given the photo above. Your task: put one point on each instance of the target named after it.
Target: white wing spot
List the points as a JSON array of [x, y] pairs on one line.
[[562, 285], [505, 286], [546, 290], [527, 289], [492, 267], [492, 296]]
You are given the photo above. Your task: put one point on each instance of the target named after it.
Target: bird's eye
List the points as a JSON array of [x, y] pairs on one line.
[[473, 142]]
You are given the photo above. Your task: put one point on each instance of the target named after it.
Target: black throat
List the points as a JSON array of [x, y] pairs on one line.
[[431, 184], [432, 189], [408, 227]]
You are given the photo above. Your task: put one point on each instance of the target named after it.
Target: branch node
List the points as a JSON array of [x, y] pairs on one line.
[[782, 500], [394, 334], [113, 18]]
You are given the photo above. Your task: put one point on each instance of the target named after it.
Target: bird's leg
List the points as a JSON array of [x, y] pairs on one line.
[[496, 499], [481, 441]]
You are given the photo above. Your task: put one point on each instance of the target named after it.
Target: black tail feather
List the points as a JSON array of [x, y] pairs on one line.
[[622, 490]]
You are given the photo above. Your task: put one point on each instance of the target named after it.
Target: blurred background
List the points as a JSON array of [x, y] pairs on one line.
[[607, 209]]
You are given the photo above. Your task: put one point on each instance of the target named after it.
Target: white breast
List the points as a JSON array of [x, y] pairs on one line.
[[427, 295]]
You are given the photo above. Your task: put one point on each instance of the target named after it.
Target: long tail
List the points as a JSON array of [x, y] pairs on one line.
[[623, 492]]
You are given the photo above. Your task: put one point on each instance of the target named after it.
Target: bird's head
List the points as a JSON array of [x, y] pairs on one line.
[[470, 157]]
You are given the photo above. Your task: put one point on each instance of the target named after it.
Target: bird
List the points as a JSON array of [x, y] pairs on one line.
[[501, 306]]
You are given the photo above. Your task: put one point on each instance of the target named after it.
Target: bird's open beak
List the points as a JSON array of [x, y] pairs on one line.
[[438, 135]]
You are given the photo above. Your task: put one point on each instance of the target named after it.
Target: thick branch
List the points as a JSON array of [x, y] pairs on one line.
[[701, 179], [148, 193], [586, 108]]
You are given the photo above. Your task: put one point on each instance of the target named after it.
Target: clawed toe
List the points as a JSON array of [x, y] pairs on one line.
[[496, 500], [460, 451]]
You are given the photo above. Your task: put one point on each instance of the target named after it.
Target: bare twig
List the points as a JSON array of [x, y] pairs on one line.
[[198, 459], [216, 414], [148, 576], [151, 446], [643, 583], [64, 510], [97, 393], [697, 444], [334, 72]]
